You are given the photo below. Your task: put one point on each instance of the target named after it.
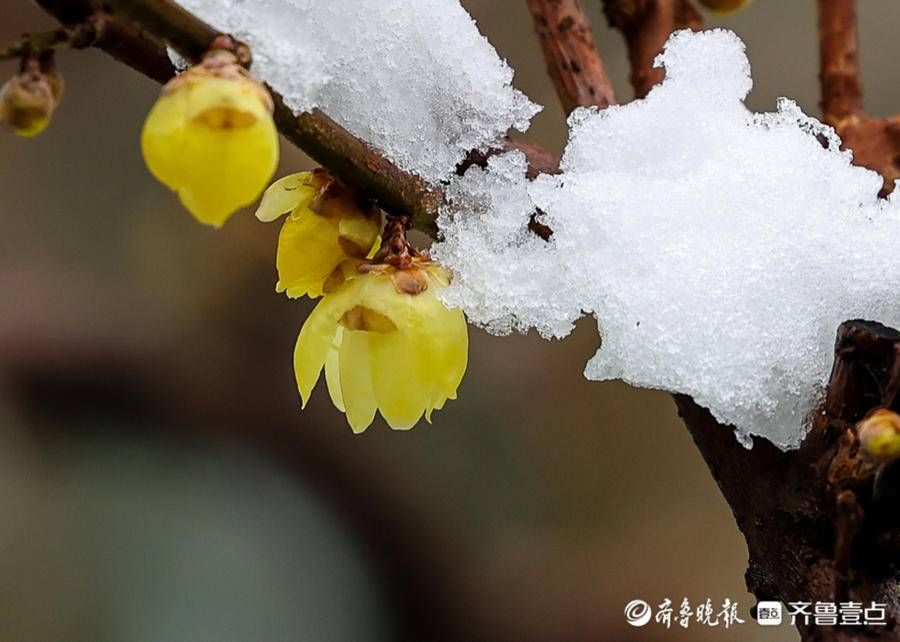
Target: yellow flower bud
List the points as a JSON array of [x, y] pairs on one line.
[[724, 6], [28, 99], [879, 434], [387, 343], [326, 237], [211, 138]]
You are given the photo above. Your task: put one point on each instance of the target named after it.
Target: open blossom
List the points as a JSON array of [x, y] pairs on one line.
[[326, 237], [387, 343], [211, 138]]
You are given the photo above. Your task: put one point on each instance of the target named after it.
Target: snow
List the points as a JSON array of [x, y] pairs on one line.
[[502, 270], [414, 79], [178, 61], [718, 249]]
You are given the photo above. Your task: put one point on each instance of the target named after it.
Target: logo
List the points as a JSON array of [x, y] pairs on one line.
[[768, 613], [638, 612]]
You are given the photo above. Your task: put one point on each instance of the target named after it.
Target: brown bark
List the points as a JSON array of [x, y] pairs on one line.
[[875, 141], [646, 25], [821, 522], [839, 59], [572, 60]]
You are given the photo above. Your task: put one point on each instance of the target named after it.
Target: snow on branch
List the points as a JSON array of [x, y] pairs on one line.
[[675, 219], [685, 219]]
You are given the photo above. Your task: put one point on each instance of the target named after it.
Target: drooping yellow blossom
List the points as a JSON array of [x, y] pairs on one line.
[[28, 99], [211, 138], [326, 237], [386, 342], [879, 435], [725, 6]]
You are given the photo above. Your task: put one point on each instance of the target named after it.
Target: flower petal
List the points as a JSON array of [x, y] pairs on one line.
[[333, 371], [357, 235], [284, 195], [163, 132], [315, 341], [308, 253], [402, 396], [214, 142], [356, 380], [442, 341]]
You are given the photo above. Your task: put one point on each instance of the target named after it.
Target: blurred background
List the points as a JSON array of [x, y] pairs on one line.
[[159, 482]]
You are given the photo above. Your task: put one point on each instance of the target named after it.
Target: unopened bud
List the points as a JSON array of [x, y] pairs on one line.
[[28, 99], [879, 434], [211, 138], [724, 6]]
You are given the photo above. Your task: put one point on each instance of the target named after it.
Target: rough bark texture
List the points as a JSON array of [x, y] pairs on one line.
[[875, 141], [821, 522], [572, 59], [646, 25]]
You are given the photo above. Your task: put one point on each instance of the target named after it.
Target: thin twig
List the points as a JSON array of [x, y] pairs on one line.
[[839, 60], [875, 141], [646, 25], [75, 37], [572, 59]]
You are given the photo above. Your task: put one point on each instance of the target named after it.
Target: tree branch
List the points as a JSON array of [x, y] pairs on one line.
[[352, 160], [816, 530], [839, 60], [573, 63], [875, 141], [76, 37], [646, 25]]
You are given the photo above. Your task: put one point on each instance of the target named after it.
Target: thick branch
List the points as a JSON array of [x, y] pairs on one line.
[[646, 25], [572, 59], [816, 529]]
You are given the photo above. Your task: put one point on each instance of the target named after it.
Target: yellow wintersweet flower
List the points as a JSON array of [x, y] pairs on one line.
[[211, 138], [386, 342], [724, 6], [326, 237]]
